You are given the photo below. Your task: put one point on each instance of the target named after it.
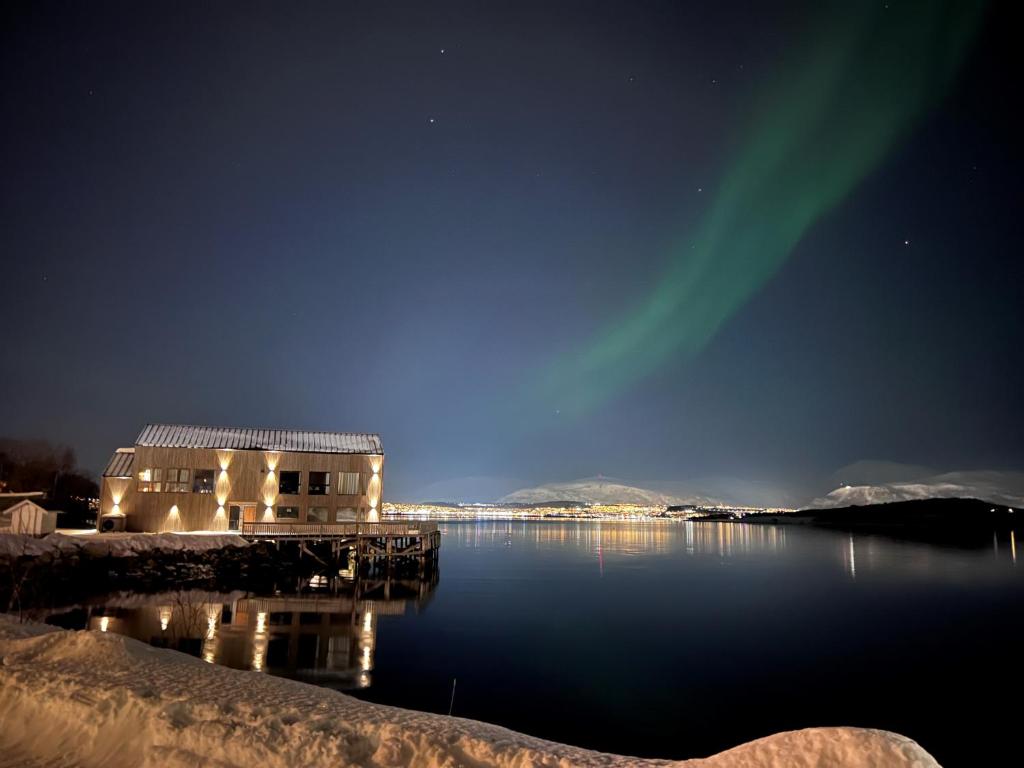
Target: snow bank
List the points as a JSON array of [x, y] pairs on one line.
[[114, 544], [104, 700]]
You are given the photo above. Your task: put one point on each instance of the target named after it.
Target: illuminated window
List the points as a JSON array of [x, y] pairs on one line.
[[177, 481], [150, 480], [348, 483], [203, 482], [316, 515], [290, 483], [287, 513], [319, 483], [345, 514]]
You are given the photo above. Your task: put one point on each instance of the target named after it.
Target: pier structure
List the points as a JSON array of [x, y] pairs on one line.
[[391, 540]]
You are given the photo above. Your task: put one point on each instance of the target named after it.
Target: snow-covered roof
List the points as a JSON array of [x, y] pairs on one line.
[[120, 464], [246, 438]]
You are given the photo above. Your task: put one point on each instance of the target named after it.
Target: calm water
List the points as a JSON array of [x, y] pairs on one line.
[[658, 638]]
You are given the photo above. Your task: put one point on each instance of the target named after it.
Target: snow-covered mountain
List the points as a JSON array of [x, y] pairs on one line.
[[996, 487], [599, 490]]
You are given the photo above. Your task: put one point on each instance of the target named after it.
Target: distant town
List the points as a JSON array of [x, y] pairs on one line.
[[561, 510]]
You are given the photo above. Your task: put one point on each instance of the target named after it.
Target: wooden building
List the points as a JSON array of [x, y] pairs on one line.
[[194, 478]]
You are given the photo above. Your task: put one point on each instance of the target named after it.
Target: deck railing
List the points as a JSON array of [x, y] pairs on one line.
[[331, 530]]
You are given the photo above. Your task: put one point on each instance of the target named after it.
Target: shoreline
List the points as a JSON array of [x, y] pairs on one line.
[[113, 701]]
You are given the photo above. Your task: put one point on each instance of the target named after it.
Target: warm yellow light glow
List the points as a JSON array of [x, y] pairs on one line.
[[223, 488], [118, 488], [220, 520], [115, 509], [270, 488], [272, 457], [259, 643], [104, 624], [165, 617], [268, 515], [224, 458], [375, 464], [173, 522], [373, 491], [212, 612]]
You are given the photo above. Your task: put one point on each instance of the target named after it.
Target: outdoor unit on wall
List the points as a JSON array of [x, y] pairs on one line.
[[111, 523]]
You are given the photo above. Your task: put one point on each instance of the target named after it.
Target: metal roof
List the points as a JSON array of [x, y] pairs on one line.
[[120, 464], [190, 436]]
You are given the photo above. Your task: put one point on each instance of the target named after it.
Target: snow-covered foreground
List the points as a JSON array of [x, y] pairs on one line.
[[114, 544], [95, 699]]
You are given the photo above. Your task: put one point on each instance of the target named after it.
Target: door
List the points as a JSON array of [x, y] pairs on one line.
[[240, 513]]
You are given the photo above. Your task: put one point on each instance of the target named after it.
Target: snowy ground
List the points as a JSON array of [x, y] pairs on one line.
[[114, 544], [95, 699]]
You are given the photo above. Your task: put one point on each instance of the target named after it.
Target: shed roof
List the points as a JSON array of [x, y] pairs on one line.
[[120, 464], [246, 438]]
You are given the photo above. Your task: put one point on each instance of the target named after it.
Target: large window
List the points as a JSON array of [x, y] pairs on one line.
[[287, 513], [316, 515], [319, 483], [177, 481], [150, 480], [204, 481], [290, 483], [345, 514], [348, 483]]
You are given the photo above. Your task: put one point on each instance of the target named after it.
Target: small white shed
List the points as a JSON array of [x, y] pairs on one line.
[[28, 517]]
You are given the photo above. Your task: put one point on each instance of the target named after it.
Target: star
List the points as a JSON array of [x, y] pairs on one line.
[[906, 242], [431, 119], [442, 51]]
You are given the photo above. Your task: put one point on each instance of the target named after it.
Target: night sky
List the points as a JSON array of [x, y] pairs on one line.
[[525, 242]]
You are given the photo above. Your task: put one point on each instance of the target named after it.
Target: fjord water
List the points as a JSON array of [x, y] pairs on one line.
[[651, 638], [682, 639]]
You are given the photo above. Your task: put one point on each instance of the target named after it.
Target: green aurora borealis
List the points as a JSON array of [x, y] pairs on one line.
[[833, 113]]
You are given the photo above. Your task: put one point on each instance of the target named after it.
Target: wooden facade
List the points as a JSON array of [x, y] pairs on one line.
[[225, 488]]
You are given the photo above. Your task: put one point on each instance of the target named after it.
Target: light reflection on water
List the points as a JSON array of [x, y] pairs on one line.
[[323, 633], [626, 537]]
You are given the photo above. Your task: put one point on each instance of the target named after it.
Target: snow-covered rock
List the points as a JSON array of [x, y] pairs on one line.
[[114, 544], [97, 699]]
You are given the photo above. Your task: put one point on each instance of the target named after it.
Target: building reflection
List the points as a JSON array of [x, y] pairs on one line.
[[323, 633]]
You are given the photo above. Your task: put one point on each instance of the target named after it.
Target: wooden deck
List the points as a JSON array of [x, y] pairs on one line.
[[387, 539]]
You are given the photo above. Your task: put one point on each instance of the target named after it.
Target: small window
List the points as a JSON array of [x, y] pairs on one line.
[[290, 483], [287, 513], [319, 483], [177, 481], [203, 481], [345, 515], [316, 515], [348, 483], [150, 480]]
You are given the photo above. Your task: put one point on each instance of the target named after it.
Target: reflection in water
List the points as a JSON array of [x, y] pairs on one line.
[[324, 633], [859, 556], [621, 537]]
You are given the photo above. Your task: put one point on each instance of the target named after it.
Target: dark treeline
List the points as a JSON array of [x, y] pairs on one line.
[[37, 465]]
